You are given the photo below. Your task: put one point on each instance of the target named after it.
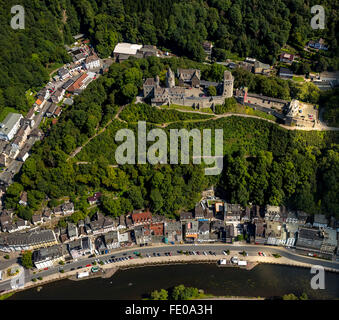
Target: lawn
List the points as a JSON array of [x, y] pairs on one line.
[[238, 109], [298, 79], [53, 67], [30, 96], [248, 110], [178, 107]]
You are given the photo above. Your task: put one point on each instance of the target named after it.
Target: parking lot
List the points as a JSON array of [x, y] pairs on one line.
[[307, 112]]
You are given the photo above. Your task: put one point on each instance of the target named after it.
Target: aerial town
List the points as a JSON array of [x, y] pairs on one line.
[[69, 210], [212, 221]]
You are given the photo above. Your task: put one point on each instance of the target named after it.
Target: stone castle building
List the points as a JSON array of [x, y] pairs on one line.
[[182, 95]]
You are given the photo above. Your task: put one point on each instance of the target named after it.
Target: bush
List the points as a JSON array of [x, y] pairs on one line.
[[26, 259]]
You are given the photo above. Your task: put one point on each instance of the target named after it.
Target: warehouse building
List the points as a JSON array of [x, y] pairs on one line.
[[10, 126]]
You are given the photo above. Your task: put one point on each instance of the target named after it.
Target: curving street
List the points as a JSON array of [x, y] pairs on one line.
[[288, 256]]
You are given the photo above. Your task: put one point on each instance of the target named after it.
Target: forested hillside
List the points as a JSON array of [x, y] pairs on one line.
[[27, 55], [244, 27], [263, 164]]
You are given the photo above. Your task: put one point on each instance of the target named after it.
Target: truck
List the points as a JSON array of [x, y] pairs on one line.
[[222, 261], [242, 263], [82, 274]]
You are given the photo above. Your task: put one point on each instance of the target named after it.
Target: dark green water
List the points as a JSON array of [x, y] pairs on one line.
[[263, 281]]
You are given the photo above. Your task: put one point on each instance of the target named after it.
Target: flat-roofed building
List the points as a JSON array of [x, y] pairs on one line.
[[10, 126], [129, 49]]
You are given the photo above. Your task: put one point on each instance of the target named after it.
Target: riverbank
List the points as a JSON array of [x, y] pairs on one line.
[[265, 281], [107, 271]]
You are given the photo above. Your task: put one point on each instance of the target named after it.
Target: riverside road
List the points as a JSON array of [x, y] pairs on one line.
[[235, 249]]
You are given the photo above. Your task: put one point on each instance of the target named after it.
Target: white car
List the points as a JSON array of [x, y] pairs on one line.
[[205, 253], [225, 253], [263, 253]]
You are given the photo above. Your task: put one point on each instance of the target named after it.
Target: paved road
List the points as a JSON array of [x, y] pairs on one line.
[[252, 250]]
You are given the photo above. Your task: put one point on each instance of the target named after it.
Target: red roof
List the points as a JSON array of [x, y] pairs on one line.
[[95, 197], [77, 84], [287, 56], [157, 228], [38, 102], [143, 216], [57, 111]]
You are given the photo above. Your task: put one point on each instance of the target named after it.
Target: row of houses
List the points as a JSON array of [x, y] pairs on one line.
[[17, 136], [9, 223], [83, 59], [211, 220]]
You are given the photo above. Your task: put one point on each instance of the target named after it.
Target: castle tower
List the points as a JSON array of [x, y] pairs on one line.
[[228, 85], [170, 79]]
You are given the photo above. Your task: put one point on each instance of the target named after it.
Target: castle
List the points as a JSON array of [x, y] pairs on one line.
[[190, 90]]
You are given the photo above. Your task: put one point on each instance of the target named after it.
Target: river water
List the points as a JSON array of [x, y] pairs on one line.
[[264, 281]]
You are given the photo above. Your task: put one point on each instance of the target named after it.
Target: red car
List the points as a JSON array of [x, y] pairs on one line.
[[259, 253], [88, 265], [45, 268]]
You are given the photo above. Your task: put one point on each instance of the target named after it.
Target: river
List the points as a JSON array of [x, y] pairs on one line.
[[264, 280]]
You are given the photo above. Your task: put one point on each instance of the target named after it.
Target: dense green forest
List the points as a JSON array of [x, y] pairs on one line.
[[263, 162], [245, 28]]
